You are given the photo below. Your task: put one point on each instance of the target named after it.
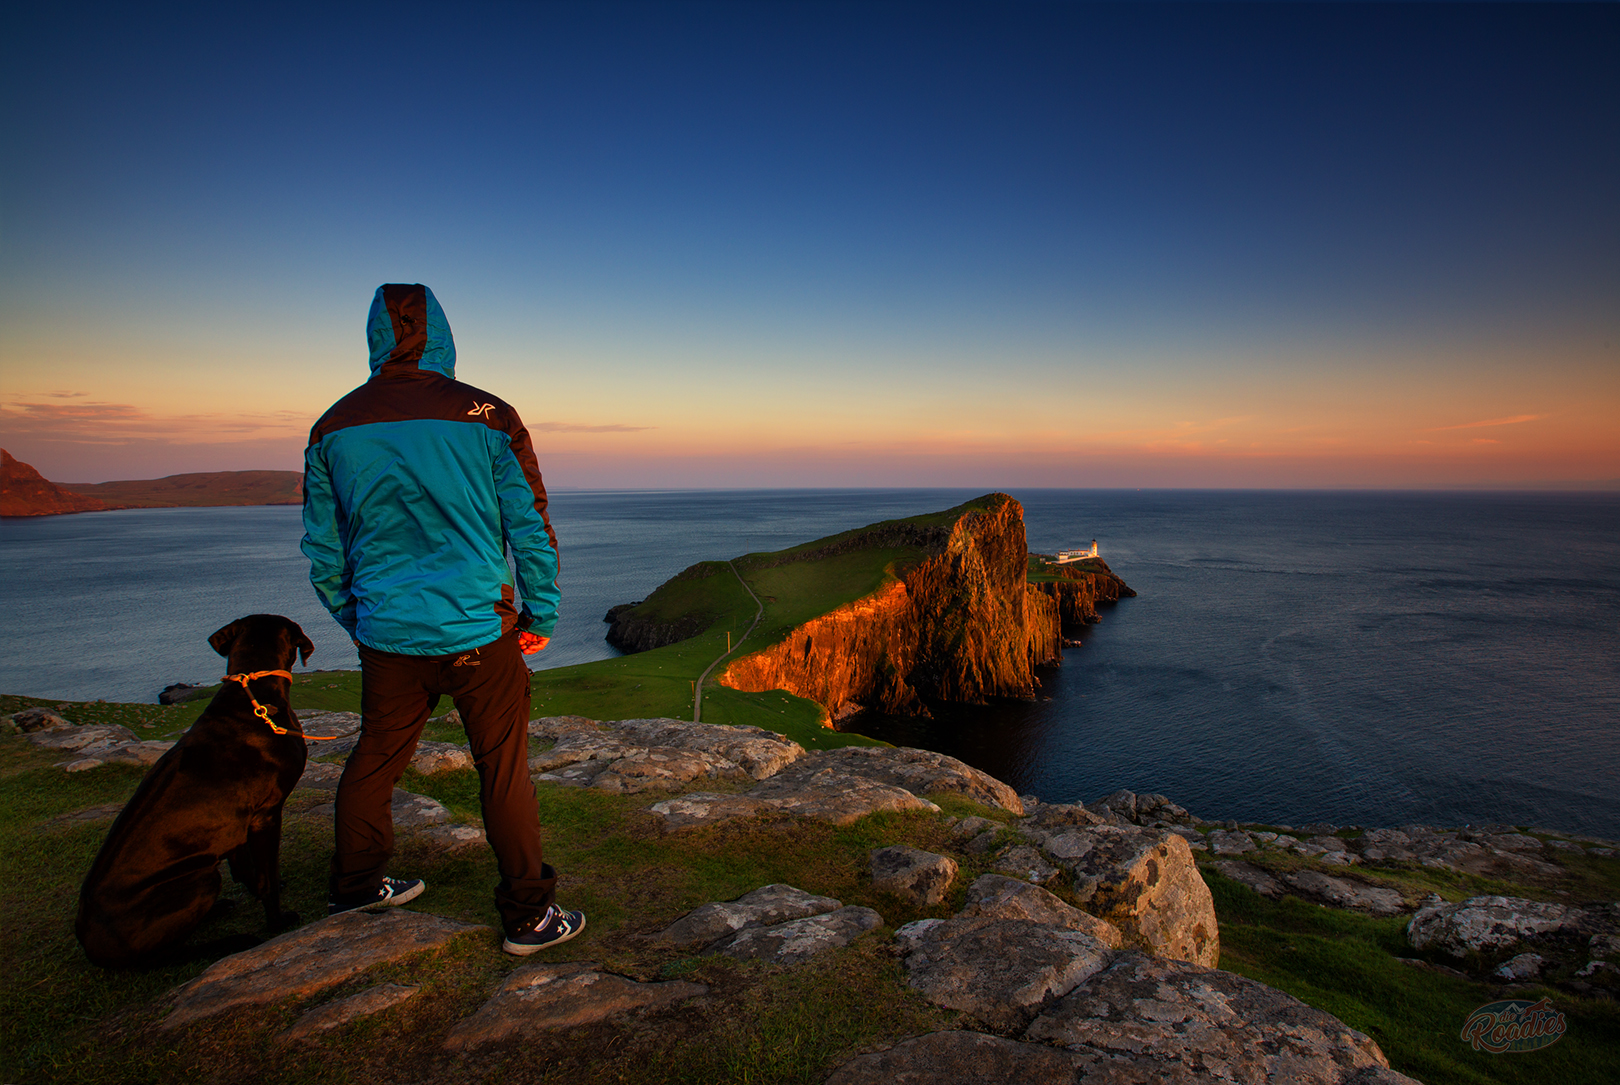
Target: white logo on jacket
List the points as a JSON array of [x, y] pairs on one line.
[[482, 409]]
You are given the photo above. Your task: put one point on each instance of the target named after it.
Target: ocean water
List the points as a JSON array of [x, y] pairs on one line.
[[1373, 659]]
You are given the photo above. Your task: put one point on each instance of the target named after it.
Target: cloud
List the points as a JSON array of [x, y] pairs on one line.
[[67, 395], [582, 427], [99, 423], [1515, 420]]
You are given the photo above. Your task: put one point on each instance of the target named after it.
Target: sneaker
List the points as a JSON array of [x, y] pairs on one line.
[[392, 891], [553, 927]]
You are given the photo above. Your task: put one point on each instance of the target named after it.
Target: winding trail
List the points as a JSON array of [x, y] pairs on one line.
[[697, 690]]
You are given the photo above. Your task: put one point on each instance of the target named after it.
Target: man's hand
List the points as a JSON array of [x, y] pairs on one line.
[[530, 643]]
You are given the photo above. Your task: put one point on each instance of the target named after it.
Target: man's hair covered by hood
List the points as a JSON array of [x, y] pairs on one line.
[[407, 330]]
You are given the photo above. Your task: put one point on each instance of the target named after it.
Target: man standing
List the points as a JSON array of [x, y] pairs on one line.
[[416, 489]]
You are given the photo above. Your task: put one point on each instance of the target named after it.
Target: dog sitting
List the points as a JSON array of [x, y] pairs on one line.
[[217, 794]]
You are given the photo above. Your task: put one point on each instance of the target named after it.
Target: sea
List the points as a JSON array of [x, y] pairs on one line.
[[1354, 658]]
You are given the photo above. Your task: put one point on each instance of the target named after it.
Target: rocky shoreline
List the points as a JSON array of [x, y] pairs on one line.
[[1116, 983]]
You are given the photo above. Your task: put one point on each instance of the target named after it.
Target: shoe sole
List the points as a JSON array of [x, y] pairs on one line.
[[517, 949], [392, 902]]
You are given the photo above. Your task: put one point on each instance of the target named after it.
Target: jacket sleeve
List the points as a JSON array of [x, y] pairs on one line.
[[527, 530], [324, 542]]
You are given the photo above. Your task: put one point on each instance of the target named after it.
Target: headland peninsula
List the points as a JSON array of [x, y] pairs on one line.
[[780, 901], [25, 492]]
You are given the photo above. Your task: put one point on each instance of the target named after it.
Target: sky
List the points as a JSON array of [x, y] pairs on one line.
[[830, 245]]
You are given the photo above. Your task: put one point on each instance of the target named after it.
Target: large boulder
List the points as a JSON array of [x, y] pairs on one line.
[[1144, 882], [1485, 924], [1001, 971], [999, 897], [1148, 1019]]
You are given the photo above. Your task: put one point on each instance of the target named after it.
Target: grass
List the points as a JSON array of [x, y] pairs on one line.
[[1350, 965], [61, 1019]]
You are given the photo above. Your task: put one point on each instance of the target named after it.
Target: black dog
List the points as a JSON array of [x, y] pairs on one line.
[[217, 794]]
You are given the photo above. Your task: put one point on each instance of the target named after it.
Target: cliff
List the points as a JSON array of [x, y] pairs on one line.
[[25, 492], [1076, 588], [955, 619]]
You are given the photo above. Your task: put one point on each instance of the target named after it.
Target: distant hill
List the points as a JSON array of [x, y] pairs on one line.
[[206, 488], [25, 492]]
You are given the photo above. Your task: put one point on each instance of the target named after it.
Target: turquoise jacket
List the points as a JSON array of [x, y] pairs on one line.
[[417, 490]]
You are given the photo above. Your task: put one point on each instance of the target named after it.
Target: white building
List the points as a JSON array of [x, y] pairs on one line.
[[1065, 556]]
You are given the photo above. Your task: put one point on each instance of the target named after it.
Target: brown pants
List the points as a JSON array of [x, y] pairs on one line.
[[490, 688]]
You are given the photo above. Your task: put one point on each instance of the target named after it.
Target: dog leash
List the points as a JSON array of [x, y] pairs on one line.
[[260, 710]]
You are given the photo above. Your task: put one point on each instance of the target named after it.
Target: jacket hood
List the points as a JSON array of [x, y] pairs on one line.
[[407, 331]]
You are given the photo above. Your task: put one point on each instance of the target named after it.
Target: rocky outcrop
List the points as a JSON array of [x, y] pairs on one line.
[[540, 997], [960, 624], [921, 877], [25, 492], [647, 624], [310, 959], [1077, 589], [777, 924], [330, 1015], [1490, 925], [1130, 1018]]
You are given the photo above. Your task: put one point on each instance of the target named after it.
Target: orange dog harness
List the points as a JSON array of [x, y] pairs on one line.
[[260, 710]]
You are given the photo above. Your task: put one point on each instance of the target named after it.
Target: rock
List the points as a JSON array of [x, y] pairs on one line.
[[999, 897], [103, 812], [921, 877], [758, 752], [327, 734], [799, 939], [984, 843], [431, 757], [451, 838], [1001, 971], [86, 740], [1147, 1019], [35, 720], [1345, 893], [1526, 966], [701, 809], [663, 768], [342, 1011], [970, 827], [1223, 842], [1023, 861], [123, 753], [960, 1058], [1055, 816], [1251, 876], [410, 811], [825, 793], [180, 692], [320, 776], [1601, 946], [1144, 882], [753, 751], [1482, 924], [310, 959], [538, 997], [765, 906], [916, 771]]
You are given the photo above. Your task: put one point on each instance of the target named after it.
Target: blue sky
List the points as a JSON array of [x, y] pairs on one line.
[[827, 244]]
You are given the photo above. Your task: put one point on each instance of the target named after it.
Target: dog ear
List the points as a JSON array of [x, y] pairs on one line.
[[305, 646], [222, 640]]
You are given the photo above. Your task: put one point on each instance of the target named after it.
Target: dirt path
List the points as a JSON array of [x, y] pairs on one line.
[[697, 693]]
